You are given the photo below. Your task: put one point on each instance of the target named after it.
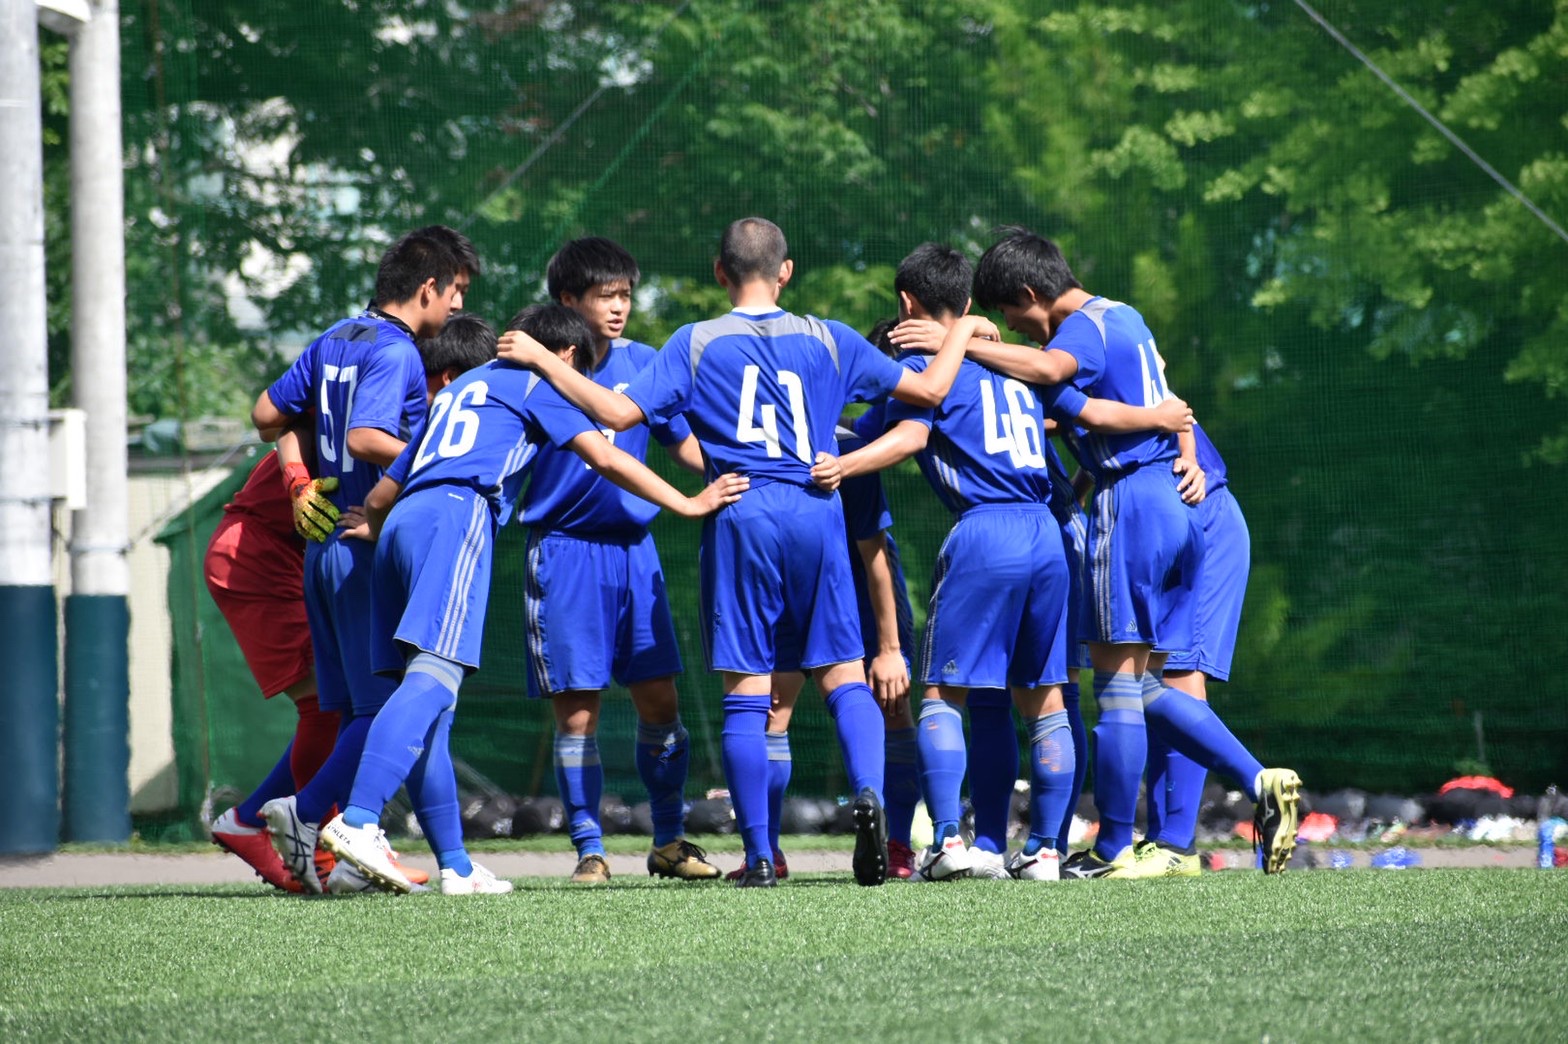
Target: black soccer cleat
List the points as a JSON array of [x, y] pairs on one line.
[[758, 875], [870, 862]]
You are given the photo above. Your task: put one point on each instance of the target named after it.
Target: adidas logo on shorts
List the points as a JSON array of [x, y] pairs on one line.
[[950, 667]]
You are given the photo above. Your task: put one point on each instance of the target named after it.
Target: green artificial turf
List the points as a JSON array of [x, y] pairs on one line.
[[1356, 955]]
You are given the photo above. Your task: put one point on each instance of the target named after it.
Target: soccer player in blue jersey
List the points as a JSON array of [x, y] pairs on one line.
[[762, 390], [1175, 781], [365, 382], [1145, 548], [453, 486], [998, 609], [595, 600]]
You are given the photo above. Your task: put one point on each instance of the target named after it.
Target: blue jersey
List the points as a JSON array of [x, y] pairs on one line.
[[364, 372], [566, 495], [763, 392], [484, 430], [988, 442], [1117, 360], [1210, 461]]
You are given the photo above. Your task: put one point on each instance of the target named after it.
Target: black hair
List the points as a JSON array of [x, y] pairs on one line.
[[464, 342], [1022, 260], [460, 245], [419, 255], [938, 277], [878, 335], [557, 327], [585, 263], [752, 248]]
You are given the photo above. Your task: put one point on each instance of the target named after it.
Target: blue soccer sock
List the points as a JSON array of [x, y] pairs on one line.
[[993, 769], [1183, 796], [781, 765], [1052, 762], [399, 733], [1156, 782], [1120, 747], [862, 735], [662, 762], [942, 763], [902, 782], [745, 746], [580, 779], [1070, 701], [1191, 727], [279, 783], [432, 787], [332, 781]]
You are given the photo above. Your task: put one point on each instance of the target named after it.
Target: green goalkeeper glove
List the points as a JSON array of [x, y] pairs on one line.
[[315, 517]]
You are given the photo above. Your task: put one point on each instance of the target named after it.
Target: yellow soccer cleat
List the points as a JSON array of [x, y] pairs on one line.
[[1276, 818]]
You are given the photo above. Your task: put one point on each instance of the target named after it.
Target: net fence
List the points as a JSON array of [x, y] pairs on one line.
[[1368, 324]]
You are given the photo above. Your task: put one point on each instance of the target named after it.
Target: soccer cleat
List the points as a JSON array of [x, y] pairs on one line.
[[947, 862], [591, 869], [988, 865], [780, 868], [254, 846], [759, 876], [1085, 865], [478, 882], [1152, 859], [346, 879], [681, 859], [1044, 865], [870, 859], [366, 847], [294, 839], [900, 860], [1276, 818]]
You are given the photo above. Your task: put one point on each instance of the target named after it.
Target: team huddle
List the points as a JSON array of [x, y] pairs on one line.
[[406, 434]]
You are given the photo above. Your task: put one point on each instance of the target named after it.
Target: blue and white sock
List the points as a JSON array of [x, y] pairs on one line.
[[662, 762], [993, 769], [903, 783], [781, 766], [943, 760], [862, 735], [1052, 761], [1191, 727], [580, 779], [399, 734], [1070, 701], [1120, 747], [745, 748]]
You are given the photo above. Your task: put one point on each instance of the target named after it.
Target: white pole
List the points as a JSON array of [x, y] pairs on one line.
[[29, 711]]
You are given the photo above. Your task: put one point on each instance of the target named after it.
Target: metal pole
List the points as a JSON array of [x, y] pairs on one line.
[[97, 616], [29, 707]]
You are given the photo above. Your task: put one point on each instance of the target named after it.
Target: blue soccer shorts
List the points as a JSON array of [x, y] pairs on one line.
[[1221, 587], [775, 571], [338, 604], [998, 613], [433, 577], [596, 610], [1075, 542], [1145, 549]]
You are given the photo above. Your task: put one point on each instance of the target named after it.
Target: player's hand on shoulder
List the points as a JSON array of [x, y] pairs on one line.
[[982, 328], [918, 335], [517, 347], [726, 489], [826, 472], [1174, 415], [1194, 484]]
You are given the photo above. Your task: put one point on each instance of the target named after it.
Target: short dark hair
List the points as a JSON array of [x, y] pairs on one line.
[[878, 335], [464, 342], [1021, 260], [588, 262], [460, 245], [938, 277], [752, 248], [417, 256], [558, 328]]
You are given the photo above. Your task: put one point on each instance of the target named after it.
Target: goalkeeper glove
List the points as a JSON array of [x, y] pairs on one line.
[[315, 517]]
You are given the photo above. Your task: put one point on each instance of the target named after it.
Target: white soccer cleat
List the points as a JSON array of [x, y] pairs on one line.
[[367, 848], [989, 865], [946, 863], [1044, 865], [346, 879], [294, 839], [479, 882]]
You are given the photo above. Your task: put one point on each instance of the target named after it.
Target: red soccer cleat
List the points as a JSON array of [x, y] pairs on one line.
[[900, 860], [254, 846], [780, 868]]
